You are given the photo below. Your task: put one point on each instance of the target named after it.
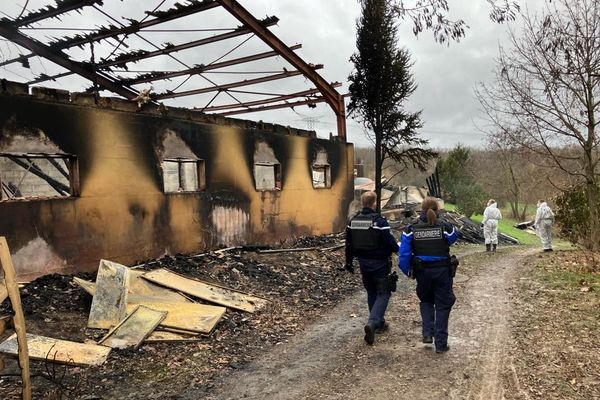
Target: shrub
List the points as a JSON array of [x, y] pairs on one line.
[[470, 199], [573, 216]]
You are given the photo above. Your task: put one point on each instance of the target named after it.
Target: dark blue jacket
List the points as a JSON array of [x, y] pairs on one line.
[[374, 257], [406, 247]]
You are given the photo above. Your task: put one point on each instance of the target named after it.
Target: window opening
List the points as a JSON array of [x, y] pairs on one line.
[[38, 175], [321, 176], [267, 175], [183, 175]]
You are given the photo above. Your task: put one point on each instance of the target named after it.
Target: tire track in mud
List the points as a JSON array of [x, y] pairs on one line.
[[329, 360]]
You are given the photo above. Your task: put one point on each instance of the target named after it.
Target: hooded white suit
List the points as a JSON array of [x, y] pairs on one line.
[[544, 219], [491, 216]]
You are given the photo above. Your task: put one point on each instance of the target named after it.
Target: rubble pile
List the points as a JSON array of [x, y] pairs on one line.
[[318, 241], [468, 230], [298, 286]]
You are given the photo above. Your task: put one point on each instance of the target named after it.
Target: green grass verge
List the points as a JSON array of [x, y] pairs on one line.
[[572, 281], [505, 226]]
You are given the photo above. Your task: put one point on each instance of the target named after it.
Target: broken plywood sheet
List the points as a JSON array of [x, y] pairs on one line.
[[165, 336], [88, 286], [191, 317], [59, 351], [136, 327], [205, 291], [141, 290], [109, 305]]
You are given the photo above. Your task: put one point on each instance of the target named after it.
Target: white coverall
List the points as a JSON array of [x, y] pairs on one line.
[[544, 219], [491, 216]]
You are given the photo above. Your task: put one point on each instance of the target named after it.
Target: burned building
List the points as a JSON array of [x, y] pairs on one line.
[[86, 175]]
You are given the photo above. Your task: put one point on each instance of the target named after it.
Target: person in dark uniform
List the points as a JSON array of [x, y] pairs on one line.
[[425, 256], [368, 238]]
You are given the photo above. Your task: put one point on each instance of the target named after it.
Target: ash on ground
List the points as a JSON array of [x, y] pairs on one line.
[[299, 286]]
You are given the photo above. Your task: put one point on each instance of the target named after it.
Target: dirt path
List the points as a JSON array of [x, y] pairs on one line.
[[330, 360]]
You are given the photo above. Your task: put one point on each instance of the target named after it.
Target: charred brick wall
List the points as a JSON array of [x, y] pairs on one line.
[[122, 212]]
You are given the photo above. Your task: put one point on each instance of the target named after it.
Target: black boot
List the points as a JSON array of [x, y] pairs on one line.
[[488, 247], [369, 334], [494, 248]]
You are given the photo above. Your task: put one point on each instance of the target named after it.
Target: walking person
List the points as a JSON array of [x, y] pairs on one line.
[[491, 216], [368, 238], [425, 256], [544, 220]]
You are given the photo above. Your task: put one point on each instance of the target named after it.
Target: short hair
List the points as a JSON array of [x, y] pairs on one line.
[[368, 199], [541, 201], [491, 201]]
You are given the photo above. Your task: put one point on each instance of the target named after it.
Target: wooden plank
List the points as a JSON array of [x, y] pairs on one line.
[[109, 305], [12, 288], [179, 331], [165, 336], [191, 317], [3, 291], [141, 290], [58, 351], [88, 286], [205, 291], [136, 327]]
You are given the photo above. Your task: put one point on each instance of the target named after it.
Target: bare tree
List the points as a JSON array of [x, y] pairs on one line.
[[433, 15], [515, 176], [546, 94]]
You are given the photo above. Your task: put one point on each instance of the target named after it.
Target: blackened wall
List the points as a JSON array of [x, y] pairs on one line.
[[122, 213]]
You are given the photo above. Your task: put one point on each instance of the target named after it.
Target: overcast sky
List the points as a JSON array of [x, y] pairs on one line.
[[446, 75]]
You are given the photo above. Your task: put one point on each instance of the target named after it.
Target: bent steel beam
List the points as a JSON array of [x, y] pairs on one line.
[[155, 76], [133, 27], [53, 11], [141, 55], [333, 98], [248, 104], [233, 106], [58, 57], [274, 106], [221, 88]]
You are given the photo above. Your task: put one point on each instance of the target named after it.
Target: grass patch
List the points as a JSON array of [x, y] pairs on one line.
[[571, 280], [556, 321], [449, 207], [505, 226], [570, 270]]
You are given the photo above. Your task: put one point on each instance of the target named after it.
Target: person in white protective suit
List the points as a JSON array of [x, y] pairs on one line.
[[544, 219], [491, 216]]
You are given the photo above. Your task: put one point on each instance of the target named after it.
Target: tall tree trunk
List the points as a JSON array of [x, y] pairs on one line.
[[515, 191], [523, 213], [593, 241], [514, 207]]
